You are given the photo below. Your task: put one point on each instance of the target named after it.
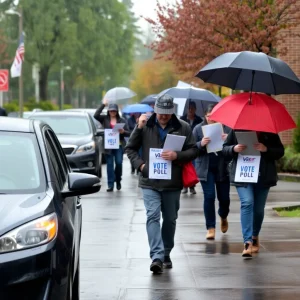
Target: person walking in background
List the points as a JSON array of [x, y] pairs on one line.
[[192, 119], [253, 196], [212, 172], [113, 156], [132, 122], [161, 195], [3, 112]]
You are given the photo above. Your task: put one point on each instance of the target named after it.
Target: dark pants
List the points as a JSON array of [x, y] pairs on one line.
[[209, 188], [114, 174]]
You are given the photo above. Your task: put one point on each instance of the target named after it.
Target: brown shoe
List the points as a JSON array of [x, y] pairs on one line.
[[255, 244], [247, 252], [210, 235], [224, 225]]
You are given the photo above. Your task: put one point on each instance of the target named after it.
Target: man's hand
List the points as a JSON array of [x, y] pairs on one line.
[[224, 136], [169, 155], [142, 167], [205, 141], [239, 148], [260, 147], [121, 130], [142, 121]]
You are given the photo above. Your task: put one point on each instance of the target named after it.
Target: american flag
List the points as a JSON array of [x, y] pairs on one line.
[[16, 68]]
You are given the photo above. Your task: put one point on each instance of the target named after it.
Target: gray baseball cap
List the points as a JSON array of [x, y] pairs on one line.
[[164, 105], [113, 106]]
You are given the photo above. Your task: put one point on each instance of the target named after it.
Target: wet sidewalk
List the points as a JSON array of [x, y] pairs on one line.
[[115, 254]]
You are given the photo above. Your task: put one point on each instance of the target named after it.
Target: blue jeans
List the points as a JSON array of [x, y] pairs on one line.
[[161, 240], [253, 200], [209, 190], [114, 173]]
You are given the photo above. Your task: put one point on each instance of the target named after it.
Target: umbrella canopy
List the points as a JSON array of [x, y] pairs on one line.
[[251, 71], [201, 97], [119, 94], [137, 108], [263, 113], [150, 99]]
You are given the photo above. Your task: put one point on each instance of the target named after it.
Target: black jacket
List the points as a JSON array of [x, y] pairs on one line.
[[267, 171], [3, 112], [197, 120], [202, 161], [105, 121], [148, 137]]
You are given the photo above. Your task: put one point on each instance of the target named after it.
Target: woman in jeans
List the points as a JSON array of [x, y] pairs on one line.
[[114, 174], [253, 196], [212, 172]]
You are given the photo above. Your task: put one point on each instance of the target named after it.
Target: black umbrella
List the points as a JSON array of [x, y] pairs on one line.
[[251, 71], [150, 100]]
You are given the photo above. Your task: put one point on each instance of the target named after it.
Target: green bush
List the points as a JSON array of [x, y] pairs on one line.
[[296, 136], [290, 162]]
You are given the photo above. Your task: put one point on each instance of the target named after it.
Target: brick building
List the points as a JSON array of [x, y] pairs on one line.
[[291, 102]]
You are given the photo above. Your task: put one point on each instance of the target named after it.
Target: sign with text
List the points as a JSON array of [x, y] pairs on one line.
[[247, 168], [111, 139], [4, 86], [159, 168]]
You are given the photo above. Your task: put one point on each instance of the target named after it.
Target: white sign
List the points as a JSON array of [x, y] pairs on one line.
[[214, 132], [111, 139], [118, 126], [174, 142], [247, 138], [247, 168], [159, 168]]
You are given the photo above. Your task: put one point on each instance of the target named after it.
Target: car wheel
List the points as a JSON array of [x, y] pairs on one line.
[[76, 283]]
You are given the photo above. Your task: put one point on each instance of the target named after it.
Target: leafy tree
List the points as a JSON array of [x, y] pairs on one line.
[[152, 77], [193, 32], [4, 59]]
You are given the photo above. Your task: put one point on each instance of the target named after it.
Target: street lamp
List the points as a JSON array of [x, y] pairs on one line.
[[20, 15]]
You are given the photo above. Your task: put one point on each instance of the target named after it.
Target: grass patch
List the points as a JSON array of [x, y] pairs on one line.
[[290, 212]]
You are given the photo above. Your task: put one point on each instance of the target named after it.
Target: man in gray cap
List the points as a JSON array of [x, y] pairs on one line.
[[160, 195]]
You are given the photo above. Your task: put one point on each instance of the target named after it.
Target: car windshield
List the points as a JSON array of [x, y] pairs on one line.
[[21, 167], [66, 125]]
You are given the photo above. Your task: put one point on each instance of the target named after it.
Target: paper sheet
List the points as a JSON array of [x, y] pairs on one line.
[[214, 132], [174, 142], [118, 126], [248, 138]]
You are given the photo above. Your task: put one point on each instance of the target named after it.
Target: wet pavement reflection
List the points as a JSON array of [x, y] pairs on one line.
[[115, 254]]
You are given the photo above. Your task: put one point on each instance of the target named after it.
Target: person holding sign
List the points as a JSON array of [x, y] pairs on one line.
[[115, 130], [161, 174], [212, 172], [253, 195]]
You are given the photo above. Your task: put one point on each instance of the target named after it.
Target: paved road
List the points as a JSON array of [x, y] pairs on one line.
[[115, 255]]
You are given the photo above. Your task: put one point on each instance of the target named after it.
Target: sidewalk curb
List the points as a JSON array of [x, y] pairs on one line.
[[289, 177]]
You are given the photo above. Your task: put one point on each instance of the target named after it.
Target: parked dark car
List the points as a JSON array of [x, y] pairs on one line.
[[79, 138], [40, 214]]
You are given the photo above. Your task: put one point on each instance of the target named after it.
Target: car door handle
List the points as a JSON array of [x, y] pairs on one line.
[[78, 204]]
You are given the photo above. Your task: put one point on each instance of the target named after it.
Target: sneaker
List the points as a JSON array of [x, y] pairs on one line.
[[247, 252], [168, 263], [224, 225], [184, 191], [192, 191], [111, 189], [210, 235], [255, 244], [119, 186], [157, 266]]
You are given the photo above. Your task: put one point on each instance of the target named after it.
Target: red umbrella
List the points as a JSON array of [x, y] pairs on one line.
[[261, 113]]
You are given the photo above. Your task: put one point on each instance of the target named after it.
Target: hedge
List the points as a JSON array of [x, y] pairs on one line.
[[290, 162]]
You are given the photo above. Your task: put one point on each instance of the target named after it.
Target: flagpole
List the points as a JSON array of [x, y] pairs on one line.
[[21, 76]]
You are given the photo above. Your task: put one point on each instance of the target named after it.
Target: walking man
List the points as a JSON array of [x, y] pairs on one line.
[[161, 196]]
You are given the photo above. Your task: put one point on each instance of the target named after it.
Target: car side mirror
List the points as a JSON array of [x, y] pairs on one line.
[[81, 184], [100, 132]]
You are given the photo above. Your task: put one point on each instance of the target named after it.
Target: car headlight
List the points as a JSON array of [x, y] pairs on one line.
[[32, 234], [87, 147]]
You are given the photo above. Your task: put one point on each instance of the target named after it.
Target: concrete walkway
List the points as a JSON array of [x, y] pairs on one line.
[[115, 254]]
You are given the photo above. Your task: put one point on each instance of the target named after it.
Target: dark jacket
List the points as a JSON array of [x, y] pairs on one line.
[[267, 171], [105, 121], [3, 112], [197, 120], [131, 123], [202, 161], [148, 137]]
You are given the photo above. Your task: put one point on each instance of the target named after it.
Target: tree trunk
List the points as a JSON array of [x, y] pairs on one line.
[[44, 72]]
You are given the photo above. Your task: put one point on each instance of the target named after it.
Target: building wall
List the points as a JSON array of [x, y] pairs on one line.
[[291, 102]]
